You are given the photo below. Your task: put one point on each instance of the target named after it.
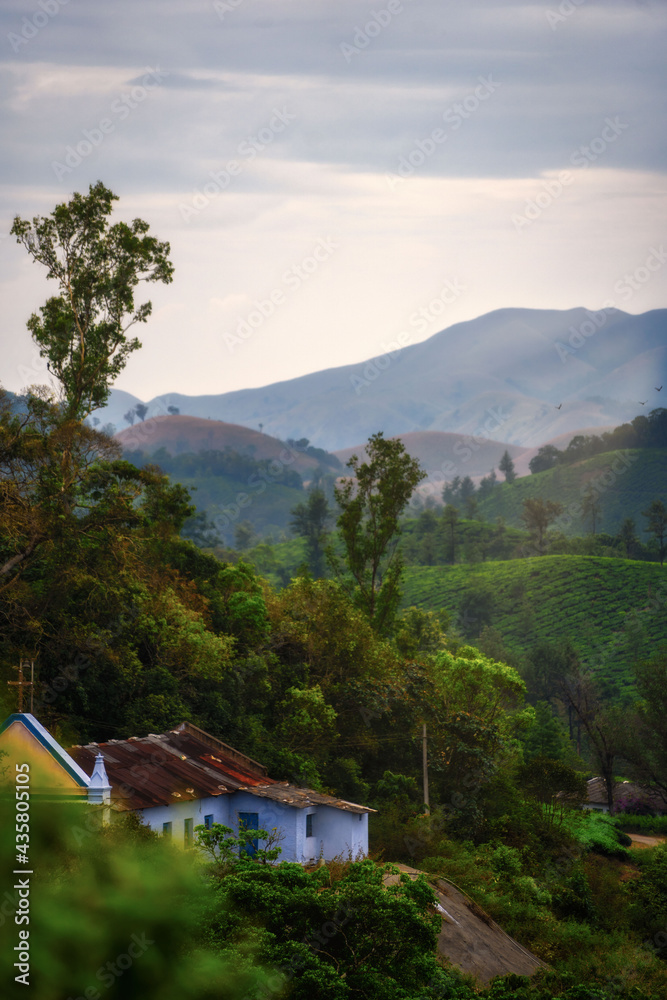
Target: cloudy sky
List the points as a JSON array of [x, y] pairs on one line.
[[332, 174]]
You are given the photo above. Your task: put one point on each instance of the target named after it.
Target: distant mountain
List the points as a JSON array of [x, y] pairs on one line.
[[501, 376], [119, 404]]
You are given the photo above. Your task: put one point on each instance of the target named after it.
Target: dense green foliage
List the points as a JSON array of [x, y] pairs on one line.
[[97, 267], [135, 628], [114, 912], [230, 488], [644, 432]]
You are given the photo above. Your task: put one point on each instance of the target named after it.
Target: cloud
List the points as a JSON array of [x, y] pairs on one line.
[[365, 98]]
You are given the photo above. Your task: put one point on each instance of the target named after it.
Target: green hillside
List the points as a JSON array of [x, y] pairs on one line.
[[626, 481], [613, 610], [227, 502]]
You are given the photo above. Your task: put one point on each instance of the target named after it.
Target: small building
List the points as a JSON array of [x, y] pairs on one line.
[[184, 778], [628, 797]]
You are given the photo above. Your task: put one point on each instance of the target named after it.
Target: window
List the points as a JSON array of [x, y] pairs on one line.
[[166, 829], [187, 833], [361, 816], [208, 822], [249, 821], [309, 825]]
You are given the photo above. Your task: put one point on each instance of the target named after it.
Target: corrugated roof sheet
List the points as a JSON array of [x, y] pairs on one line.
[[597, 794], [170, 767], [186, 764]]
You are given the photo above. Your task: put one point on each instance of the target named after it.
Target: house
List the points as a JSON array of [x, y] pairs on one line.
[[184, 778], [628, 797]]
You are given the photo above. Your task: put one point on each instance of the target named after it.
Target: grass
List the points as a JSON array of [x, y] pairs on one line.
[[632, 823], [613, 610]]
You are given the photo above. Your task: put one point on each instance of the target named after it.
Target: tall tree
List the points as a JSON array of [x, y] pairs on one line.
[[371, 502], [506, 466], [451, 492], [141, 410], [645, 737], [450, 516], [311, 520], [487, 485], [467, 489], [628, 536], [537, 515], [83, 330], [656, 514], [590, 507], [603, 724], [546, 458]]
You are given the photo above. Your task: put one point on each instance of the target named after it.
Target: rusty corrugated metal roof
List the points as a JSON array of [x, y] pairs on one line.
[[186, 764], [170, 767], [623, 790]]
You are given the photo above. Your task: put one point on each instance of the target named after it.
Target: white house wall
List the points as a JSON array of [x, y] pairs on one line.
[[340, 832], [335, 831], [176, 814]]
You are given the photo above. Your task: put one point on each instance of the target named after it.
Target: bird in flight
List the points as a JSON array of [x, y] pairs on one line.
[[658, 388], [558, 407], [643, 403]]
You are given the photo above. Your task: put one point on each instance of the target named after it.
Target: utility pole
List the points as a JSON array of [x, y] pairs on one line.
[[425, 768]]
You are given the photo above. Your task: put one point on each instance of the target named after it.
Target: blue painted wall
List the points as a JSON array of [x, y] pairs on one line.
[[335, 831]]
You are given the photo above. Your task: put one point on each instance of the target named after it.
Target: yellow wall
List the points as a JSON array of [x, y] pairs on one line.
[[46, 773]]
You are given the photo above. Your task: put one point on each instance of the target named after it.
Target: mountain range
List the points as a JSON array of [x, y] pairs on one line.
[[520, 376]]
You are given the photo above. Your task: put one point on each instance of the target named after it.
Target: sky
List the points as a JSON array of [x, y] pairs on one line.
[[333, 175]]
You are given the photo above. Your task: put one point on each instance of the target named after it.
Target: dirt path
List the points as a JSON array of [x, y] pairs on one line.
[[641, 840]]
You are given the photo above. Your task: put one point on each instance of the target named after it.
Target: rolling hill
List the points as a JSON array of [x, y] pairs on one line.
[[612, 610], [180, 434], [626, 482]]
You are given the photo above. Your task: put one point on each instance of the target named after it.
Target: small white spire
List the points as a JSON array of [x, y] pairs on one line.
[[99, 789]]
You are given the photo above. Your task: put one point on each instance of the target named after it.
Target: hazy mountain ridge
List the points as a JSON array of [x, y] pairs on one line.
[[500, 376]]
